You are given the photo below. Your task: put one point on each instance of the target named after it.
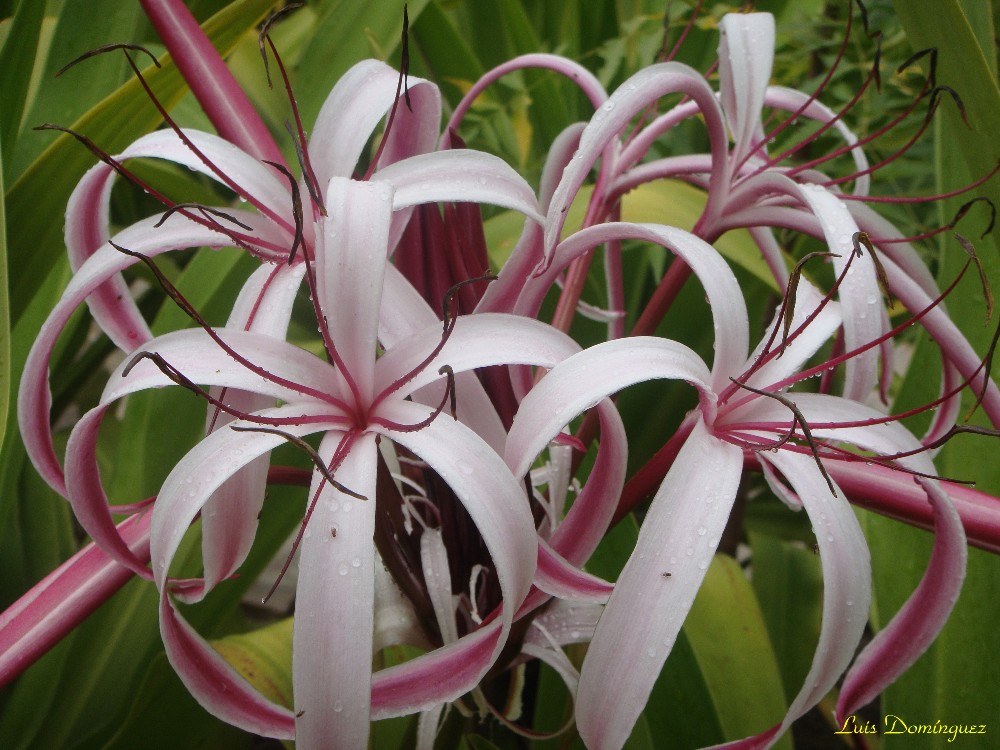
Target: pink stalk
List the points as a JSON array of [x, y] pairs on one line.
[[65, 598], [894, 494], [225, 103]]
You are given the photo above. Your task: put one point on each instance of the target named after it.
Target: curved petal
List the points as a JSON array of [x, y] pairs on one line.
[[638, 92], [219, 688], [88, 225], [214, 684], [557, 577], [652, 597], [859, 292], [460, 175], [264, 306], [816, 329], [846, 581], [792, 100], [579, 533], [578, 74], [354, 108], [199, 358], [725, 297], [584, 379], [203, 469], [334, 604], [34, 399], [232, 166], [437, 576], [86, 493], [478, 340], [746, 53], [912, 630]]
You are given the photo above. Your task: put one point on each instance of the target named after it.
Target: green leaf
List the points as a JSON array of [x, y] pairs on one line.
[[17, 59], [788, 580], [730, 642], [346, 33], [264, 658], [957, 680], [6, 392], [82, 25], [165, 716]]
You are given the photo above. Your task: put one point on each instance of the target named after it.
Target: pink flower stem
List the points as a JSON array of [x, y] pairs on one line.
[[64, 598], [225, 103]]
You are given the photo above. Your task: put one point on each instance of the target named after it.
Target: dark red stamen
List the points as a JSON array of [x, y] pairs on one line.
[[403, 72], [182, 380], [189, 310]]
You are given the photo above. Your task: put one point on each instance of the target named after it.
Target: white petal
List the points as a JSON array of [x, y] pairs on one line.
[[334, 605], [640, 623]]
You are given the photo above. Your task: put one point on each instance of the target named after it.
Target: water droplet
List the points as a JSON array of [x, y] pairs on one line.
[[689, 551], [702, 531], [338, 706], [574, 634], [464, 467], [702, 565], [850, 603], [356, 562], [651, 652], [343, 568], [608, 105]]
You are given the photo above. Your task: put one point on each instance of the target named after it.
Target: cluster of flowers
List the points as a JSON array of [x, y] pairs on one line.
[[439, 418]]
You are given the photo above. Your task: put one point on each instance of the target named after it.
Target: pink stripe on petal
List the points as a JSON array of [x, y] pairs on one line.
[[912, 630], [440, 676], [638, 92], [846, 578], [557, 577], [33, 398], [86, 494], [87, 229], [725, 297], [352, 112], [215, 684]]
